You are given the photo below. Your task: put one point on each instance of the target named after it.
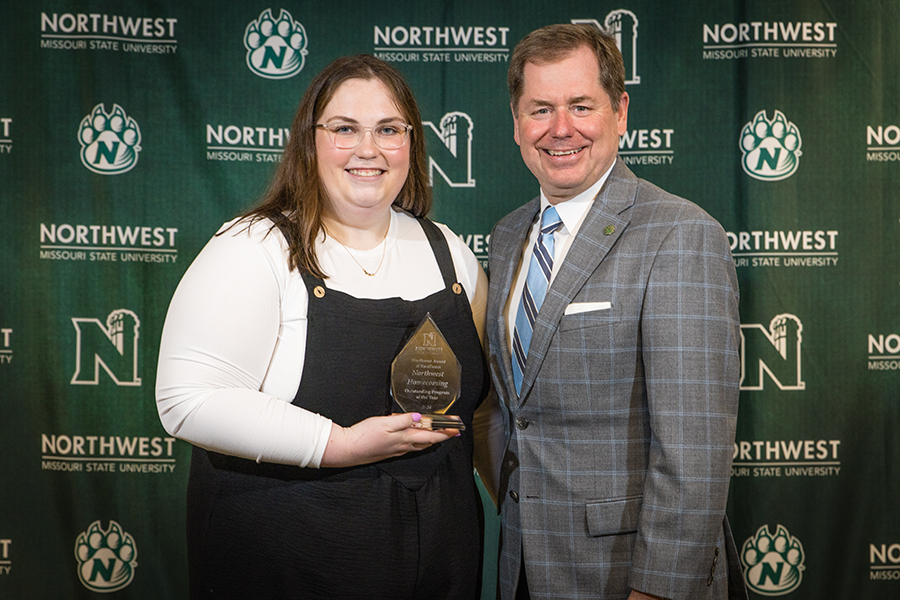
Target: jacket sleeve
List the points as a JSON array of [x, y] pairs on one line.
[[690, 336]]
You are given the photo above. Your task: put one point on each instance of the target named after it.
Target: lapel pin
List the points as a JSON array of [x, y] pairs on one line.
[[609, 230]]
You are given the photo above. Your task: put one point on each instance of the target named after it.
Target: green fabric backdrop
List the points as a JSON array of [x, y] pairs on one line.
[[130, 130]]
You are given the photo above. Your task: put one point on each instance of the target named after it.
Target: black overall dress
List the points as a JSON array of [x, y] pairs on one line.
[[409, 527]]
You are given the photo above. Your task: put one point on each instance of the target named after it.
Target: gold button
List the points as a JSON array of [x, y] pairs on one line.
[[319, 291], [457, 289]]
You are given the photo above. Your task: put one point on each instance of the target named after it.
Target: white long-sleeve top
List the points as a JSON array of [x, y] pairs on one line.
[[234, 340]]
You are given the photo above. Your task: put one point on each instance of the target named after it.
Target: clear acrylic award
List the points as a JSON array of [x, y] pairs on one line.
[[425, 377]]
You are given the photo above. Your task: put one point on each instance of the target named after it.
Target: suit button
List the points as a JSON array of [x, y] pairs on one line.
[[521, 422], [514, 496]]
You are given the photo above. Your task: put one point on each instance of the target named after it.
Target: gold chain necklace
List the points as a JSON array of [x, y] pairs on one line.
[[380, 262]]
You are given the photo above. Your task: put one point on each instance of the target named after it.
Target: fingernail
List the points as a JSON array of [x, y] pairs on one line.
[[459, 434], [416, 417]]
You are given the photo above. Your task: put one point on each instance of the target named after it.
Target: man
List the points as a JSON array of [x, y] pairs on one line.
[[620, 378]]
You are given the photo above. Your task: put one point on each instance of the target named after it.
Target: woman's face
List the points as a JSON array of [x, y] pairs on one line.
[[366, 178]]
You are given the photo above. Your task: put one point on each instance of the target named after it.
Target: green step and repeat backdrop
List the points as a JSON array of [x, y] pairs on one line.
[[130, 130]]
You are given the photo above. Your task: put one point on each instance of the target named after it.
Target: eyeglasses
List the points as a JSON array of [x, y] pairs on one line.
[[348, 136]]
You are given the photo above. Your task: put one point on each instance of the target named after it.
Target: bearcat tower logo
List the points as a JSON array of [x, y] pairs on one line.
[[106, 558], [112, 346], [452, 156], [771, 148], [276, 49], [773, 566], [110, 141], [775, 351], [623, 25]]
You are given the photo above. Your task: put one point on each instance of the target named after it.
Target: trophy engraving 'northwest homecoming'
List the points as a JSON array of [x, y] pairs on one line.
[[425, 376]]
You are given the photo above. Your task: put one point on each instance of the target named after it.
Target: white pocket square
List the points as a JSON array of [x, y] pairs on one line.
[[580, 307]]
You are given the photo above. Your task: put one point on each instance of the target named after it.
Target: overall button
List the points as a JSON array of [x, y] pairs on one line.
[[514, 496], [521, 422]]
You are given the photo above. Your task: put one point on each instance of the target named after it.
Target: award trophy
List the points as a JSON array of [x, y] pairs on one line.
[[425, 377]]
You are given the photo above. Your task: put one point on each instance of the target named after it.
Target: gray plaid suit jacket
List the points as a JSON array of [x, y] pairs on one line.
[[618, 456]]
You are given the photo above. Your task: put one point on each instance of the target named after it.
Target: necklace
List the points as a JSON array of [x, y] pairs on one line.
[[383, 250]]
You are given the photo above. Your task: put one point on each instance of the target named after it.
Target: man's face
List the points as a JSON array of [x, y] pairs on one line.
[[565, 126]]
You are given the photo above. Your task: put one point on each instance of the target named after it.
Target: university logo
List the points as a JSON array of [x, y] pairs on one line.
[[452, 156], [774, 351], [771, 148], [884, 352], [110, 141], [5, 560], [106, 558], [6, 352], [883, 143], [429, 339], [773, 566], [275, 49], [884, 562], [112, 346], [245, 143], [5, 136], [623, 25]]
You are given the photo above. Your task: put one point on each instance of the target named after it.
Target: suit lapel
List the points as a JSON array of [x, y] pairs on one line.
[[604, 223], [509, 254]]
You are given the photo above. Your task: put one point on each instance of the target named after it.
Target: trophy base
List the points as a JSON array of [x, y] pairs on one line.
[[442, 422]]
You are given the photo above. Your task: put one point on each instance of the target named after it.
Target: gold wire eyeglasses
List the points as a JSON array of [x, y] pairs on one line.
[[348, 136]]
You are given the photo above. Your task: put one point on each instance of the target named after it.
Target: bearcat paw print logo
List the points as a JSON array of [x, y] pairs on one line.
[[276, 49], [773, 565], [106, 558], [110, 141], [771, 147]]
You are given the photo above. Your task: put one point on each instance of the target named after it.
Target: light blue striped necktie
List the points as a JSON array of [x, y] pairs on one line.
[[536, 283]]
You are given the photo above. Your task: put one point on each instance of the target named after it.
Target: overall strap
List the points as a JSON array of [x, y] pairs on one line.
[[441, 250]]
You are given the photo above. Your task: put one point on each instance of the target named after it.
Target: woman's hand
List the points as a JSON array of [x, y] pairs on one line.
[[377, 438]]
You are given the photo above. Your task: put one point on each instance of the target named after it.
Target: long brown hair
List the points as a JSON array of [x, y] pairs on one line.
[[296, 191]]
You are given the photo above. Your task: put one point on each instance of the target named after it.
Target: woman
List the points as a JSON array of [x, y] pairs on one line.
[[275, 362]]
